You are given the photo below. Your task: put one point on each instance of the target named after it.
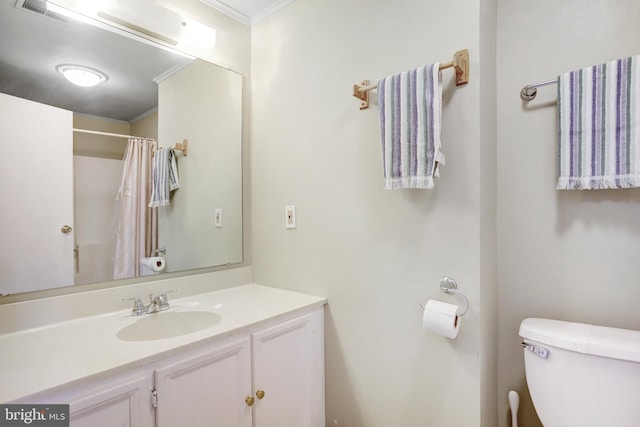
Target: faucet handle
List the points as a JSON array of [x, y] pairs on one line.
[[162, 301], [163, 295], [138, 306]]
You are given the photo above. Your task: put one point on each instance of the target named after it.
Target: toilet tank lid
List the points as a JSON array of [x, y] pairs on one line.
[[623, 344]]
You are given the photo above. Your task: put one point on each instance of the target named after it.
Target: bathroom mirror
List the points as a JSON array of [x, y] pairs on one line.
[[150, 91]]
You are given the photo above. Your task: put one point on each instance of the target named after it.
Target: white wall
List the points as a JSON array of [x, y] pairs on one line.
[[570, 255], [375, 254], [202, 103], [488, 226]]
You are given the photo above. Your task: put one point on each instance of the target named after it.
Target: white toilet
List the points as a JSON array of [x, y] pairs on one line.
[[582, 375]]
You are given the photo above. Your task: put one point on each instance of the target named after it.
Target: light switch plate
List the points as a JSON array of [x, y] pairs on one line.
[[290, 216], [218, 218]]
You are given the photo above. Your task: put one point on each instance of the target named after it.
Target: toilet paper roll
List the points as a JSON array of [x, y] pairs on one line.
[[441, 318], [152, 265]]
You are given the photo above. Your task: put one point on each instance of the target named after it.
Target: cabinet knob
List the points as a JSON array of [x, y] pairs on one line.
[[249, 400], [260, 394], [66, 229]]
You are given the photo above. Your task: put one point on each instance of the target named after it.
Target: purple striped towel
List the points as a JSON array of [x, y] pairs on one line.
[[410, 109], [598, 126]]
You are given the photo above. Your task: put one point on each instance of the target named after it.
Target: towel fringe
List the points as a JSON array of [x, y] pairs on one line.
[[598, 182], [418, 182]]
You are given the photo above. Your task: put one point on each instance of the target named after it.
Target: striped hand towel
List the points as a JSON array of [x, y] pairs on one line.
[[410, 109], [165, 177], [598, 126], [174, 182]]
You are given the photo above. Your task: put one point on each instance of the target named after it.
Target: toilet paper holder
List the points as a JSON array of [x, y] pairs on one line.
[[448, 285]]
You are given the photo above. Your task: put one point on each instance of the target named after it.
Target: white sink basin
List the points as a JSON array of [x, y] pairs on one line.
[[167, 324]]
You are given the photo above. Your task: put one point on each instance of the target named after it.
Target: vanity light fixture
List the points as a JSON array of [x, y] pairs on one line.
[[198, 35], [81, 76], [135, 28]]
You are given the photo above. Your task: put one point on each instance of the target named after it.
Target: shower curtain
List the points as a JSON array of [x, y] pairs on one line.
[[136, 224]]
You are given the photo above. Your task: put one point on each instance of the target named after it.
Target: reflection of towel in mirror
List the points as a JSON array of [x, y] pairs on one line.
[[165, 177], [174, 183]]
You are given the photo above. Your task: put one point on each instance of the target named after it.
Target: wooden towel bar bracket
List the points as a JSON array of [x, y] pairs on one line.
[[460, 64], [362, 94], [183, 146]]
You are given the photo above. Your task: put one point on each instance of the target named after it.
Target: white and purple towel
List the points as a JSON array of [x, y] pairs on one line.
[[165, 177], [598, 126], [410, 110]]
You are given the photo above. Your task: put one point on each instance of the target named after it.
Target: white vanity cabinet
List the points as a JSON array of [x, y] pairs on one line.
[[288, 373], [206, 387], [120, 401], [270, 375]]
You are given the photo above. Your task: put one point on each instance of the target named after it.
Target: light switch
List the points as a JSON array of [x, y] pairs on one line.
[[218, 218], [290, 216]]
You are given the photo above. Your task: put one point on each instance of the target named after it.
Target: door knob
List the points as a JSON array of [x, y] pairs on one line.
[[66, 229], [249, 400], [260, 394]]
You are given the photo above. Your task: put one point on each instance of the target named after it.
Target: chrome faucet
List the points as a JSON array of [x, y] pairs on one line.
[[156, 303]]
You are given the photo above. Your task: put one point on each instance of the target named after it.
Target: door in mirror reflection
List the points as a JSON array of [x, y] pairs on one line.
[[37, 196]]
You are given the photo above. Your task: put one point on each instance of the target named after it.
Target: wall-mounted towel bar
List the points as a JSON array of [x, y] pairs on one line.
[[181, 146], [530, 91], [460, 63]]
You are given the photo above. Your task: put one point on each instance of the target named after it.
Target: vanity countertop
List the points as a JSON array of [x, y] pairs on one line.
[[75, 351]]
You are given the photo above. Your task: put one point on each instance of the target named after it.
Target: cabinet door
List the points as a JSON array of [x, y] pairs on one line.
[[206, 388], [121, 403], [288, 366]]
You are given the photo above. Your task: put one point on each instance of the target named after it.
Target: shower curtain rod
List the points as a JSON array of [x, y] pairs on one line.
[[117, 135], [182, 146]]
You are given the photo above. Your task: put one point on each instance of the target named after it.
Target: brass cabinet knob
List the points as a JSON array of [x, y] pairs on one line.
[[66, 229], [260, 394], [249, 400]]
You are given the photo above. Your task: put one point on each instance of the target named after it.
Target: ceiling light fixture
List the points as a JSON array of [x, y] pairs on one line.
[[81, 76]]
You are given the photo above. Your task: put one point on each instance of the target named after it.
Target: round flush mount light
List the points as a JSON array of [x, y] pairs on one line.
[[81, 76]]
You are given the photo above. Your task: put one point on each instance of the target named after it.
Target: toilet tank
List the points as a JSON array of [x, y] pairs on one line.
[[582, 375]]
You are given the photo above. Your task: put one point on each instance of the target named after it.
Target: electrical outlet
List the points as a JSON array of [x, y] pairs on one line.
[[218, 218], [290, 216]]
